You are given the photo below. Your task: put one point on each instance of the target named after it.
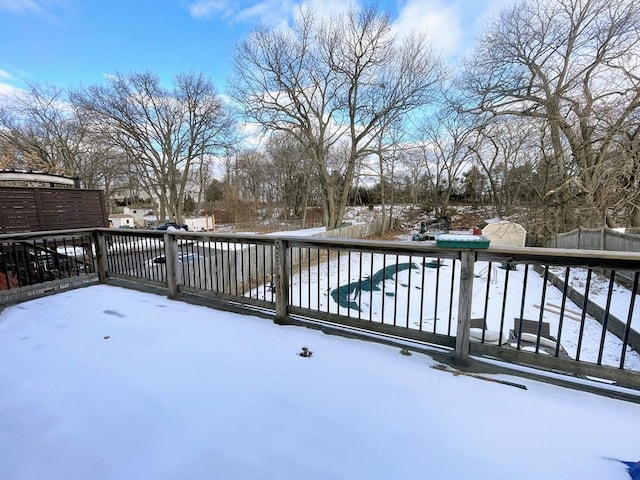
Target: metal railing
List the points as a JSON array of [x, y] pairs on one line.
[[32, 263], [546, 308]]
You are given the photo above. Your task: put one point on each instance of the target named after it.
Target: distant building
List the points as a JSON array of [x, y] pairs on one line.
[[138, 214], [121, 220], [200, 224]]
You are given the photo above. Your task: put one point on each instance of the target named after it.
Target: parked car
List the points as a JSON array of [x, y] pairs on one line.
[[173, 225]]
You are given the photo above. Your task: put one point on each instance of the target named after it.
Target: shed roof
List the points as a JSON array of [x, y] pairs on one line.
[[505, 232]]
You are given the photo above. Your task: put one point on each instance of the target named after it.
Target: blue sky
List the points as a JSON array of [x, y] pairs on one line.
[[80, 42]]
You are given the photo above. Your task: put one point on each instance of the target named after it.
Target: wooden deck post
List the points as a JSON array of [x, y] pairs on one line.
[[171, 263], [282, 282], [101, 255], [465, 297]]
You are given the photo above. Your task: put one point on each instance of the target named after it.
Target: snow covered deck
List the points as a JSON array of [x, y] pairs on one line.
[[108, 383]]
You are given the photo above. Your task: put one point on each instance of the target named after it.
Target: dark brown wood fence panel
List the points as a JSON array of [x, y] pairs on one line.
[[18, 210], [37, 209]]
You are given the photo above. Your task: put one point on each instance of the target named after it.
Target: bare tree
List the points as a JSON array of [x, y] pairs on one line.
[[629, 196], [46, 131], [413, 162], [574, 65], [448, 136], [389, 150], [251, 169], [293, 176], [162, 131], [324, 81], [500, 145], [385, 78], [282, 83], [42, 125]]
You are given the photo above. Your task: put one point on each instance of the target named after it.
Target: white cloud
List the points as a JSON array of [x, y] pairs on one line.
[[252, 134], [208, 8], [20, 6], [326, 8], [272, 12], [269, 12], [8, 93], [5, 75], [441, 21], [453, 26]]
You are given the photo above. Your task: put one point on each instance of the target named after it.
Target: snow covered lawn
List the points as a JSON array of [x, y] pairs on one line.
[[108, 383], [413, 294]]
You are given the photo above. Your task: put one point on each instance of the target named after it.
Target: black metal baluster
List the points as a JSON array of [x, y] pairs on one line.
[[583, 317], [486, 302], [371, 289], [359, 287], [422, 294], [605, 321], [563, 304], [384, 285], [504, 300], [627, 329], [543, 299], [338, 280], [410, 271], [395, 292], [348, 281], [522, 304]]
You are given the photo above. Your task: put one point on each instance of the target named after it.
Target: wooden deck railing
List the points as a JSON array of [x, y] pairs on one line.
[[547, 308]]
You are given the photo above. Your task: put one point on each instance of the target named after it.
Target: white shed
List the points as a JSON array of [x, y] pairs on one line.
[[138, 214], [121, 221], [200, 224], [505, 233]]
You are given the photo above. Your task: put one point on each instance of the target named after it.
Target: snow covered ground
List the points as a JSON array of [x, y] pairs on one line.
[[108, 383], [412, 299], [433, 311]]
